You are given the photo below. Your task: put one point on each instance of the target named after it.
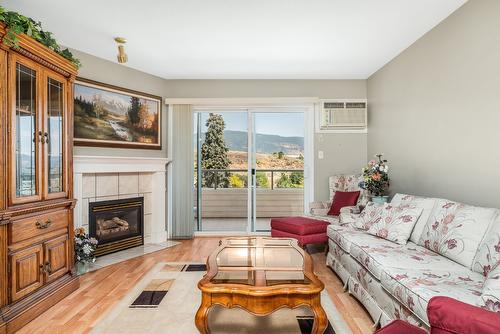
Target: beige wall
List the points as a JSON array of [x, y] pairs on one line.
[[101, 70], [435, 109], [343, 153]]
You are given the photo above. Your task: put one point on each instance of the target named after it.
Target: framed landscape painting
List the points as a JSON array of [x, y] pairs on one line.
[[109, 116]]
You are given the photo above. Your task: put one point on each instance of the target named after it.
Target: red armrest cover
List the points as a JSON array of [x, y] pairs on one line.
[[400, 327], [447, 315]]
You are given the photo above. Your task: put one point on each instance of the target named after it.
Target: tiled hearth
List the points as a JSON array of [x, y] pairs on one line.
[[108, 178]]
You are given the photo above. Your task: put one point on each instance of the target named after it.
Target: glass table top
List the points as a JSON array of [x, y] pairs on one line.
[[260, 262]]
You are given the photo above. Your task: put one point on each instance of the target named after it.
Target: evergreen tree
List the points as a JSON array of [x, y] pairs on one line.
[[214, 153], [133, 111]]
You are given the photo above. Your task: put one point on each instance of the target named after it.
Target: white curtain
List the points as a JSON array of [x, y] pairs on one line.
[[182, 171]]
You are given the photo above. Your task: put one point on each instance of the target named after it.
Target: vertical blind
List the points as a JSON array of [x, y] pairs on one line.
[[182, 171]]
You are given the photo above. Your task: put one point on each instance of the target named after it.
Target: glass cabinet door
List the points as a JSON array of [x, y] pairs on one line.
[[54, 136], [26, 134]]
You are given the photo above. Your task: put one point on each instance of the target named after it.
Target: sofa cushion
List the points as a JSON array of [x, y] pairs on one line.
[[490, 296], [414, 288], [345, 235], [396, 222], [343, 199], [488, 255], [427, 205], [455, 230], [377, 257], [368, 216]]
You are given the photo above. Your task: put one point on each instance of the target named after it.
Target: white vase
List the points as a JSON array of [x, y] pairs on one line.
[[82, 268], [380, 199]]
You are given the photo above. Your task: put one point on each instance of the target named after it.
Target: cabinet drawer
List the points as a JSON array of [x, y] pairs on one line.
[[35, 226]]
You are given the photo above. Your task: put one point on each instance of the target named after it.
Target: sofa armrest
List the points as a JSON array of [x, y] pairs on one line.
[[319, 208], [400, 327], [350, 209], [447, 315]]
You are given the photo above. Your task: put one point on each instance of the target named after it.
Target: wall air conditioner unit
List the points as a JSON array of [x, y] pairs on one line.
[[342, 115]]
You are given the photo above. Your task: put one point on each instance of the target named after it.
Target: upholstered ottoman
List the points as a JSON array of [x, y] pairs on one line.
[[305, 230]]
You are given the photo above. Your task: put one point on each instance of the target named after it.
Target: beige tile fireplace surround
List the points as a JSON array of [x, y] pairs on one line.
[[109, 178]]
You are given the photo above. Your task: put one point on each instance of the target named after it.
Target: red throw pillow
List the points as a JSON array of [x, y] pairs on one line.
[[343, 199]]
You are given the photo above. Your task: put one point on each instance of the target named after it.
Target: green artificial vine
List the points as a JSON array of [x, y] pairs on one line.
[[17, 24]]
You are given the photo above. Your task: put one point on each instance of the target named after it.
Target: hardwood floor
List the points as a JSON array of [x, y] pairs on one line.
[[101, 289]]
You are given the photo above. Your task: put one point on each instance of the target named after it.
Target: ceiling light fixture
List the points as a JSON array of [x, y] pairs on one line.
[[122, 56]]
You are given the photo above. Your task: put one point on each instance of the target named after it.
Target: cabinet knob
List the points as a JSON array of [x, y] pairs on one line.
[[48, 267]]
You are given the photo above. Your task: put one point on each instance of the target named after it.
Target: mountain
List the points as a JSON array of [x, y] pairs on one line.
[[266, 144]]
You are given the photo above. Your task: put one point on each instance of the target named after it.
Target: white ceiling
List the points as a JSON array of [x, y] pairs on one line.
[[243, 39]]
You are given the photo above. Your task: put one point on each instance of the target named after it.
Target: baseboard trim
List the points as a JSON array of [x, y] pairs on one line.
[[19, 314]]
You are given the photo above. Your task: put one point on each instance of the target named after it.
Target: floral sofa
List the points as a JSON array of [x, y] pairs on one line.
[[453, 250]]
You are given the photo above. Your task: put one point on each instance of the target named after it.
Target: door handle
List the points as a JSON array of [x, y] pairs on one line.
[[41, 137], [39, 225], [46, 137]]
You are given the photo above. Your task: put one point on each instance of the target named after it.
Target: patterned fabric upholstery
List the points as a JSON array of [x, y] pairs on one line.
[[348, 183], [395, 281], [375, 257], [396, 222], [455, 230], [427, 205], [340, 183], [490, 296], [414, 288], [488, 255]]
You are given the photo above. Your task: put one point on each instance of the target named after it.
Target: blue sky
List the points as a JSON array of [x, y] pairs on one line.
[[281, 124]]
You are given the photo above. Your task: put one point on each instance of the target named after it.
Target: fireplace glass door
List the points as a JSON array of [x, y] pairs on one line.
[[117, 224]]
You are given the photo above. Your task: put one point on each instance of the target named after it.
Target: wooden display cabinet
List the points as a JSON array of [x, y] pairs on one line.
[[36, 192]]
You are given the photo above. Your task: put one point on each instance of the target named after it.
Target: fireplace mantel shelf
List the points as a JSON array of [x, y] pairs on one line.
[[107, 164]]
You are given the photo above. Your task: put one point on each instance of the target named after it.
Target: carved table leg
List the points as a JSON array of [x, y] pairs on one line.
[[201, 318], [320, 318]]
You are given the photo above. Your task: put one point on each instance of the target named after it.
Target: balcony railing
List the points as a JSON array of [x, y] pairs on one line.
[[266, 178]]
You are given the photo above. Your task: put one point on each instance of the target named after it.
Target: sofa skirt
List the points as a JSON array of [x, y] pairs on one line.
[[382, 307]]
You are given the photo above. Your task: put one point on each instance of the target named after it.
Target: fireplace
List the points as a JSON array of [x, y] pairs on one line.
[[117, 224]]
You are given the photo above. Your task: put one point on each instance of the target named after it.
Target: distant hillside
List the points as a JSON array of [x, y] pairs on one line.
[[237, 141]]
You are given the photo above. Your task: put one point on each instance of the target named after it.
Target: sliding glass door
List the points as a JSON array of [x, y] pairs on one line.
[[249, 167], [277, 158]]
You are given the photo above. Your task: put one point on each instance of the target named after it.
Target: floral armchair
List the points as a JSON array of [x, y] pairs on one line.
[[341, 183]]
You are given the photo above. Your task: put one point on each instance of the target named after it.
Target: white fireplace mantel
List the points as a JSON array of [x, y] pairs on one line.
[[106, 164]]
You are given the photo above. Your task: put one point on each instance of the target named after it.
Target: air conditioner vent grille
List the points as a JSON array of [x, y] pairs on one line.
[[332, 105], [356, 105], [343, 114]]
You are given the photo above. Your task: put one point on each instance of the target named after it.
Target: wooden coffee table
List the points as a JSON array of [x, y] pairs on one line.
[[260, 275]]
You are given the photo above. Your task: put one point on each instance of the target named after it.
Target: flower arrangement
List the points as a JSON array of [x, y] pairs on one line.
[[375, 176], [84, 246]]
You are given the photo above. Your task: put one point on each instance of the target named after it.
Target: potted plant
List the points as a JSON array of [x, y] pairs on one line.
[[84, 251], [376, 179]]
